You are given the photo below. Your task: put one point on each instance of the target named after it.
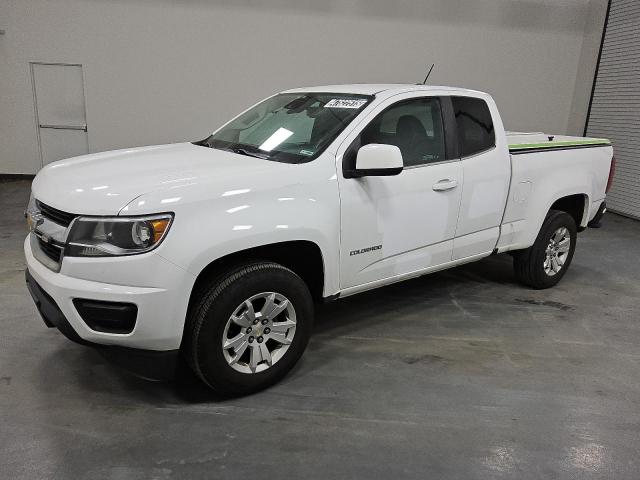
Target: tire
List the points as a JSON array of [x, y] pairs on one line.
[[532, 267], [269, 289]]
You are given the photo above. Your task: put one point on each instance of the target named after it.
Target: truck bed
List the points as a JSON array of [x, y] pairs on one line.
[[545, 168], [522, 142]]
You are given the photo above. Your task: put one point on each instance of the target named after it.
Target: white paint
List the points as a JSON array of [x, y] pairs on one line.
[[546, 177], [486, 186], [414, 223], [371, 231], [374, 156]]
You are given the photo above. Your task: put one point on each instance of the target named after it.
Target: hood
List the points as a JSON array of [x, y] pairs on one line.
[[104, 183]]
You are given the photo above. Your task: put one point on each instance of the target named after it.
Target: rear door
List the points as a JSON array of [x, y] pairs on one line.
[[397, 225], [486, 168]]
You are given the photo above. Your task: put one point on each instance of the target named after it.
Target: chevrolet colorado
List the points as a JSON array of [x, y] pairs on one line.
[[217, 249]]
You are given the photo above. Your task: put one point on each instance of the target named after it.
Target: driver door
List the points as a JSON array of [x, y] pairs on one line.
[[393, 227]]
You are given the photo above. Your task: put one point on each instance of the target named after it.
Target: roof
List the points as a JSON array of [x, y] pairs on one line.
[[372, 89]]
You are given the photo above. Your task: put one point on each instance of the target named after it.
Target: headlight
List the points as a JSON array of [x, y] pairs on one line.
[[32, 214], [105, 237]]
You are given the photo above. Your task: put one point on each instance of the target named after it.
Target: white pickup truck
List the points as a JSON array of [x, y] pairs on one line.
[[217, 249]]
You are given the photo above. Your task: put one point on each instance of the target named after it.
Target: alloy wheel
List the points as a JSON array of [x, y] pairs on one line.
[[557, 251], [259, 332]]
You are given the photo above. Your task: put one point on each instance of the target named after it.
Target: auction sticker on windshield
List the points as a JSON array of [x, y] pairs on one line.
[[345, 103]]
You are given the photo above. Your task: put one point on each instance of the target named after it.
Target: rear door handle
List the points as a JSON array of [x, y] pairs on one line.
[[445, 184]]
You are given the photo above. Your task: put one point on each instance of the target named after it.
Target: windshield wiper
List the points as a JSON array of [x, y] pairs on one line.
[[209, 142], [243, 151]]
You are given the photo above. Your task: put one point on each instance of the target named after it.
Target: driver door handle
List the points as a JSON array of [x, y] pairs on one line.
[[445, 184]]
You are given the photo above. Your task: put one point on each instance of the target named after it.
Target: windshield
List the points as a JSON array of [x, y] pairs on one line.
[[289, 127]]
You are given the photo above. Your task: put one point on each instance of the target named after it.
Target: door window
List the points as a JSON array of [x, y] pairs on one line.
[[475, 125], [414, 126]]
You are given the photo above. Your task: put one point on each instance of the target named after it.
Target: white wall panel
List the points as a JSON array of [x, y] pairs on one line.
[[159, 71]]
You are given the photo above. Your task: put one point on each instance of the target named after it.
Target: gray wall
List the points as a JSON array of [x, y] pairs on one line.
[[587, 65], [159, 71]]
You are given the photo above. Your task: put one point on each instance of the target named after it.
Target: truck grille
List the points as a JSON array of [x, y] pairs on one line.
[[55, 215], [51, 250]]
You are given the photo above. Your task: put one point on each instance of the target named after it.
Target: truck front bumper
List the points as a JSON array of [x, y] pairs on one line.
[[151, 347], [151, 364]]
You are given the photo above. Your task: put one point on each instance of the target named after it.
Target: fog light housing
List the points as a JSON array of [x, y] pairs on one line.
[[107, 317]]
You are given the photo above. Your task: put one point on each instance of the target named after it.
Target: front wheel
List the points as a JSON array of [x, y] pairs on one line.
[[249, 328], [544, 263]]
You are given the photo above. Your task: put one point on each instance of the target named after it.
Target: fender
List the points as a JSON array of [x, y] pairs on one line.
[[284, 203], [538, 181]]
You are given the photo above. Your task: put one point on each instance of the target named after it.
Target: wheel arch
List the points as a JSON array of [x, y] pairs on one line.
[[576, 205], [521, 232], [303, 257]]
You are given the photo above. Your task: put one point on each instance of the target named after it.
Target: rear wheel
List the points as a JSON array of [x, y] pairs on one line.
[[249, 328], [544, 263]]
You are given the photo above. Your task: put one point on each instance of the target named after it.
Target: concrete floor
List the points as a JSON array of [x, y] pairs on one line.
[[463, 374]]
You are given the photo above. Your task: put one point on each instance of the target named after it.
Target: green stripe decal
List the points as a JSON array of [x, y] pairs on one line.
[[552, 144]]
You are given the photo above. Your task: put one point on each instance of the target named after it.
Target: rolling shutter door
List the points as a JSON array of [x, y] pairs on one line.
[[615, 107]]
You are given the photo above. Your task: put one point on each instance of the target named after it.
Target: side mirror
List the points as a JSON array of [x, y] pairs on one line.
[[379, 160]]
